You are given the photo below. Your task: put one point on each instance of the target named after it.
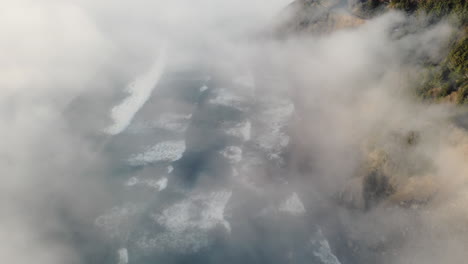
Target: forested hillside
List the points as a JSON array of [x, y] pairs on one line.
[[448, 79]]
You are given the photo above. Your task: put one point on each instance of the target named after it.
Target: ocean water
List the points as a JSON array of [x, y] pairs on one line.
[[199, 173]]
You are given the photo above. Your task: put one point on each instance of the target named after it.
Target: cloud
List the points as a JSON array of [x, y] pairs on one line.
[[323, 110]]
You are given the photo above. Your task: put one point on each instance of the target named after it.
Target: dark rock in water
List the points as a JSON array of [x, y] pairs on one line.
[[376, 187]]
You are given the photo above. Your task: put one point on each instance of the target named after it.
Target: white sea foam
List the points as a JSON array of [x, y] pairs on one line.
[[187, 223], [204, 211], [170, 169], [139, 92], [203, 88], [132, 181], [274, 119], [293, 205], [160, 184], [118, 221], [227, 97], [241, 131], [157, 184], [123, 256], [321, 249], [233, 154], [167, 151]]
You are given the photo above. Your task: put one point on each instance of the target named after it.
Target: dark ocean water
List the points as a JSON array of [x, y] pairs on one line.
[[200, 176]]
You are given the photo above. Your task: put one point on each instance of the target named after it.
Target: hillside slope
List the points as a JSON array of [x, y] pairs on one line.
[[445, 80]]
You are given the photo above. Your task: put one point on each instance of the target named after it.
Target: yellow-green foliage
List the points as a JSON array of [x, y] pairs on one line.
[[458, 57], [444, 7], [462, 96], [408, 5], [451, 74], [433, 7]]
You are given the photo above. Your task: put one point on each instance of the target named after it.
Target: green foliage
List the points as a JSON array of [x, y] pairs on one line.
[[407, 5], [432, 83], [436, 8], [451, 74], [442, 8], [458, 57], [462, 96], [440, 81]]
